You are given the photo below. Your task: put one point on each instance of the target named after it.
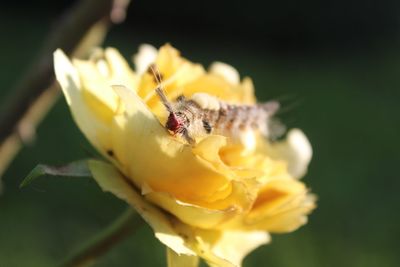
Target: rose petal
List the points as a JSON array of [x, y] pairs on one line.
[[120, 71], [92, 124], [212, 214], [231, 246], [246, 92], [214, 85], [175, 260], [175, 72], [226, 71], [192, 214], [146, 55], [295, 150], [281, 206], [96, 91], [109, 179]]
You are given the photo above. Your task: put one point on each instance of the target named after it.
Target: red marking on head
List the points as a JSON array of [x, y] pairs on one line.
[[173, 123]]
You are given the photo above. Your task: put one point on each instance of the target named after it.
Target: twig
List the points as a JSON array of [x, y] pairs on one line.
[[121, 228], [37, 92]]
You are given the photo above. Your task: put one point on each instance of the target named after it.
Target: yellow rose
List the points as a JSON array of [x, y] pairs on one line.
[[215, 200]]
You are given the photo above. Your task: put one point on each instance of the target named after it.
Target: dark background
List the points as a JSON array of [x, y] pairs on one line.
[[338, 62]]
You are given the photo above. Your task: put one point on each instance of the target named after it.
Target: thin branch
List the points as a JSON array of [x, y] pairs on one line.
[[100, 244], [30, 101], [10, 147]]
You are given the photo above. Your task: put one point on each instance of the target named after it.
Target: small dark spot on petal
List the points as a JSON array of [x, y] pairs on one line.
[[110, 153]]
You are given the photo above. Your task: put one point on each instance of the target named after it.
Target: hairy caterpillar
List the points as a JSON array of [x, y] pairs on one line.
[[204, 114]]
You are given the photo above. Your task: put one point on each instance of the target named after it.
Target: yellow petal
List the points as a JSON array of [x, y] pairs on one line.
[[212, 212], [203, 242], [191, 214], [209, 148], [295, 150], [281, 206], [282, 202], [96, 91], [231, 246], [120, 71], [90, 123], [226, 71], [208, 215], [246, 92], [175, 71], [169, 60], [176, 260], [214, 85], [112, 181], [264, 168], [98, 74], [146, 55]]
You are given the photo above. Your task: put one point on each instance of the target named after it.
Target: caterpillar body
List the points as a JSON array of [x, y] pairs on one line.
[[204, 114]]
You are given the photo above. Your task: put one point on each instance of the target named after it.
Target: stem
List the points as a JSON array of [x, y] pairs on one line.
[[67, 35], [36, 91], [86, 255]]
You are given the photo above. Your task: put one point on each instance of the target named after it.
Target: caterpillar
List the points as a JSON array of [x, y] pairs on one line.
[[204, 114]]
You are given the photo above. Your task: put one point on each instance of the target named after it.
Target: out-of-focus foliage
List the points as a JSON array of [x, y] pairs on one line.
[[335, 67]]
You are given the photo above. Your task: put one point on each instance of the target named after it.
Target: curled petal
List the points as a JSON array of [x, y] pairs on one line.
[[94, 125], [112, 181], [295, 150], [208, 215], [230, 247], [235, 245], [281, 206], [192, 214]]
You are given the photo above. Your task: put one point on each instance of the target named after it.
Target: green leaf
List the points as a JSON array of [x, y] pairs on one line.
[[73, 169]]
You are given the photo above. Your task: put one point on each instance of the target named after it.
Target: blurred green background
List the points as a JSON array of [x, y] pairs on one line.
[[338, 61]]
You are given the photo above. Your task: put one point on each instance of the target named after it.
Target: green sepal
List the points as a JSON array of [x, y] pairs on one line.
[[74, 169]]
